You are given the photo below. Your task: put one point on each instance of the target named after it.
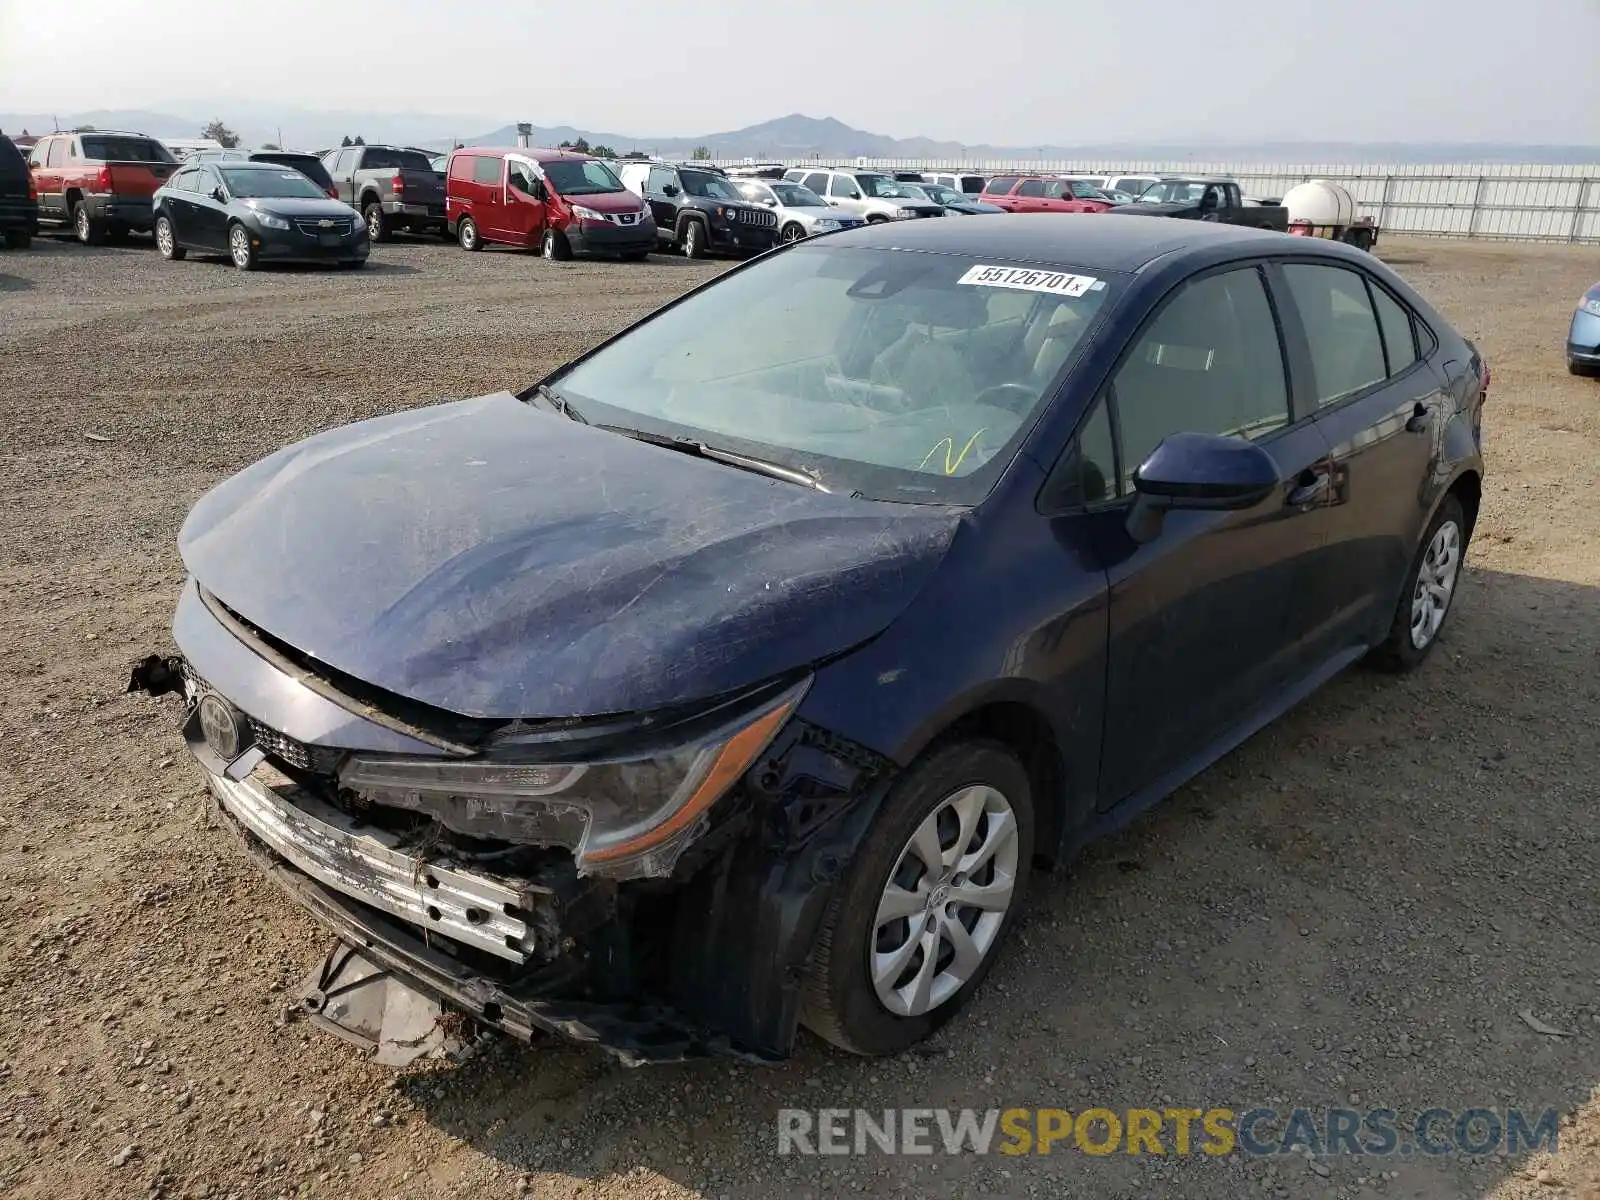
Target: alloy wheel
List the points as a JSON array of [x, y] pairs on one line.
[[80, 223], [239, 246], [164, 237], [1436, 584], [942, 908]]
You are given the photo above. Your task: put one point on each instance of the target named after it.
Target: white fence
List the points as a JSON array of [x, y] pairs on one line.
[[1503, 201]]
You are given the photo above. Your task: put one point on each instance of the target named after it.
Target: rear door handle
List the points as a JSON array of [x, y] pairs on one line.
[[1308, 493], [1421, 418]]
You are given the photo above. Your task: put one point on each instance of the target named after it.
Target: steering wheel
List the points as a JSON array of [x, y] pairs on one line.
[[1015, 398]]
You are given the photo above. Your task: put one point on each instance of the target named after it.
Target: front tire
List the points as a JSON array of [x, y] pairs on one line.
[[18, 239], [1574, 367], [467, 234], [792, 232], [377, 223], [167, 241], [1430, 590], [877, 219], [240, 248], [694, 239], [554, 246], [925, 906]]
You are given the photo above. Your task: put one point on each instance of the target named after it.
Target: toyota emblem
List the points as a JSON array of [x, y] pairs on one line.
[[221, 727]]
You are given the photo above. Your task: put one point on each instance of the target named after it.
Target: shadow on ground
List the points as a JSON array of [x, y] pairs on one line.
[[1352, 909]]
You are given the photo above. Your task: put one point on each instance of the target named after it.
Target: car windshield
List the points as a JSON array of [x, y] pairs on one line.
[[708, 186], [884, 188], [125, 149], [797, 195], [899, 375], [580, 177], [270, 184], [941, 194], [1169, 191], [1084, 190]]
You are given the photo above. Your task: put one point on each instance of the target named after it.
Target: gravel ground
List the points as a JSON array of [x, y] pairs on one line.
[[1354, 907]]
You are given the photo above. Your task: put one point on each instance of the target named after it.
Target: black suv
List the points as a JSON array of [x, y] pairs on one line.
[[19, 210], [698, 209]]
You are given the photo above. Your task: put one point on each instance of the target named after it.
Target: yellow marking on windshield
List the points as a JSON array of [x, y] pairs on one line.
[[948, 445]]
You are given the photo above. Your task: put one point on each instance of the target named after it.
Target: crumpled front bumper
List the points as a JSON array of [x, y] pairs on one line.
[[293, 848]]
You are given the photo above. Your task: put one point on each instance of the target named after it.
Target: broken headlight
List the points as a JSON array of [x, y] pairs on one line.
[[625, 815]]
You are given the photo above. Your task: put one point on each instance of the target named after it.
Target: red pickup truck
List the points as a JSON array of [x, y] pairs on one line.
[[1042, 193], [99, 184]]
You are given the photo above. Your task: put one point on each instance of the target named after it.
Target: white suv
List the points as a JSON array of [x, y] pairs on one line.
[[871, 195]]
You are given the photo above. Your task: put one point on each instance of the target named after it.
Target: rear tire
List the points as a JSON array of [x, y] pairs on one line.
[[970, 795], [1429, 594], [354, 264], [636, 256], [18, 239], [167, 241], [377, 222], [467, 234], [88, 230], [240, 248], [1574, 367]]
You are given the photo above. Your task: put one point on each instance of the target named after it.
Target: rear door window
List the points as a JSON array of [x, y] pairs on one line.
[[382, 158], [1399, 333], [817, 182], [1032, 187], [1001, 186], [485, 169], [1341, 329]]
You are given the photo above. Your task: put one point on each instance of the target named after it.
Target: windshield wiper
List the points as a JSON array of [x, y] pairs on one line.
[[559, 403], [746, 462]]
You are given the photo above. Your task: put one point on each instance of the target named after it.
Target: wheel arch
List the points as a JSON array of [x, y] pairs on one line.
[[1468, 489], [1020, 725]]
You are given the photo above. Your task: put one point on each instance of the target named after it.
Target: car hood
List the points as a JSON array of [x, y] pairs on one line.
[[812, 212], [606, 202], [498, 560], [297, 206]]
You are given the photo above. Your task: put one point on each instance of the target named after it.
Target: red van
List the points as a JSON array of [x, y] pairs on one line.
[[563, 203]]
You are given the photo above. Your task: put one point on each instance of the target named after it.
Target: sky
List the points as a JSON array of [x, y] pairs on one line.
[[1005, 72]]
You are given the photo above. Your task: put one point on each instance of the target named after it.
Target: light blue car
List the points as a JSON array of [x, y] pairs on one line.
[[1583, 339]]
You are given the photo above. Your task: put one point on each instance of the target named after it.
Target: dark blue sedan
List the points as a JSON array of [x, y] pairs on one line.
[[739, 674]]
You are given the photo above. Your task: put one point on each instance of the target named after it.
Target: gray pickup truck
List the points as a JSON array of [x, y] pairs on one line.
[[394, 188], [1205, 199]]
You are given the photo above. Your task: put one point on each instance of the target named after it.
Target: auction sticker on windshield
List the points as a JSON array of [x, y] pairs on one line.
[[1025, 279]]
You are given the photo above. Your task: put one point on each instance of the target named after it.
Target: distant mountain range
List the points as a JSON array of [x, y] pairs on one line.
[[794, 136]]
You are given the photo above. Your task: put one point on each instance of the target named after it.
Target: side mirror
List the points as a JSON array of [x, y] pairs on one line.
[[1198, 471], [669, 189], [219, 195], [769, 202]]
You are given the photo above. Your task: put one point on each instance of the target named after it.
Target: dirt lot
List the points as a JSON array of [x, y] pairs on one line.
[[1354, 907]]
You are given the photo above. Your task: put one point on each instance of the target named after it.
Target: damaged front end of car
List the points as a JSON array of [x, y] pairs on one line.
[[649, 883]]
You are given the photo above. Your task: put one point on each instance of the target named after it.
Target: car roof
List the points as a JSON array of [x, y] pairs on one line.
[[246, 164], [536, 153], [1103, 242]]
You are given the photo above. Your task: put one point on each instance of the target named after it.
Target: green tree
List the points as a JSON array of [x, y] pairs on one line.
[[270, 146], [218, 132], [636, 154], [603, 152], [702, 152], [360, 141], [345, 142]]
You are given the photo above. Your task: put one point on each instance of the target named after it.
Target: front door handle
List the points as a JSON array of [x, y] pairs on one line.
[[1421, 418], [1308, 493]]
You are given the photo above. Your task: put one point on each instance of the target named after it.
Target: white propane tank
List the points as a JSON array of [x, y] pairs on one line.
[[1320, 202]]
